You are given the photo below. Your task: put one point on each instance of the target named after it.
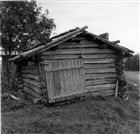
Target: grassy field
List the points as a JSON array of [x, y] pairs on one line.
[[133, 77], [95, 115]]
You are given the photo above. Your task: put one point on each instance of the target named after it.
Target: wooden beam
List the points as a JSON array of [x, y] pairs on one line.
[[104, 46], [29, 67], [32, 76], [99, 61], [76, 56], [116, 89], [33, 82], [101, 87], [34, 88], [100, 76], [117, 41], [98, 82], [29, 91], [87, 44], [79, 51], [30, 71], [102, 70], [51, 44], [98, 66]]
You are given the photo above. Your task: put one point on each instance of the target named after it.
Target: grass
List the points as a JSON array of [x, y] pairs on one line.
[[99, 115], [133, 77]]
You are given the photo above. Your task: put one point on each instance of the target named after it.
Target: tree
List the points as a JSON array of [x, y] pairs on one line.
[[22, 22], [132, 63]]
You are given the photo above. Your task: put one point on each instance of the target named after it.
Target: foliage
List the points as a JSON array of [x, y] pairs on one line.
[[22, 22], [132, 63]]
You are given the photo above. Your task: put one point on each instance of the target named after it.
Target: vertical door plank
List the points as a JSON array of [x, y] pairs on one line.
[[62, 80], [83, 76], [57, 86], [65, 77], [50, 83]]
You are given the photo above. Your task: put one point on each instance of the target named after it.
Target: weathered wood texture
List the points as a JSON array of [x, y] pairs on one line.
[[101, 87], [78, 51], [31, 80], [64, 79], [99, 65]]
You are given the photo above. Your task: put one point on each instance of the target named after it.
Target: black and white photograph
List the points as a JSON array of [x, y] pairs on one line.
[[69, 67]]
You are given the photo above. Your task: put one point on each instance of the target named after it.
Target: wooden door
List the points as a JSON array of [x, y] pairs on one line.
[[65, 79]]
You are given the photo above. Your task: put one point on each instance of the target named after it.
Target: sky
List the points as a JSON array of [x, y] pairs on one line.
[[119, 19]]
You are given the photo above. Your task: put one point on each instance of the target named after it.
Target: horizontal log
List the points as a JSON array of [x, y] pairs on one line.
[[102, 81], [32, 76], [98, 66], [33, 82], [103, 46], [104, 93], [31, 71], [79, 45], [101, 87], [29, 67], [20, 86], [79, 51], [102, 70], [100, 76], [29, 91], [19, 81], [34, 88], [107, 60], [76, 56]]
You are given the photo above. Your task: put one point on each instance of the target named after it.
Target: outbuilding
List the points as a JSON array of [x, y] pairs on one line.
[[71, 64]]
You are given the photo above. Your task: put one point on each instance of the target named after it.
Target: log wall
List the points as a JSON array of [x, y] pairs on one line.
[[30, 80], [99, 64]]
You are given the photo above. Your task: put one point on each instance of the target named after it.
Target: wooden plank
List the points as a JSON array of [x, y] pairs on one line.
[[79, 45], [79, 51], [67, 88], [49, 45], [77, 77], [33, 82], [57, 86], [103, 93], [74, 78], [71, 84], [100, 76], [43, 82], [62, 79], [32, 76], [29, 91], [31, 71], [116, 90], [102, 70], [97, 82], [29, 67], [82, 72], [34, 88], [50, 84], [99, 61], [20, 86], [76, 56], [101, 87], [80, 76], [98, 66]]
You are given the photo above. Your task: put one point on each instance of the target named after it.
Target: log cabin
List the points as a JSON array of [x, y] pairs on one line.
[[72, 64]]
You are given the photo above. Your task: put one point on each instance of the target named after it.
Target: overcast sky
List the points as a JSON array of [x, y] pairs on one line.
[[119, 19]]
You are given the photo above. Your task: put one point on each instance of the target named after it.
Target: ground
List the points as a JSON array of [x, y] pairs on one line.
[[99, 115]]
